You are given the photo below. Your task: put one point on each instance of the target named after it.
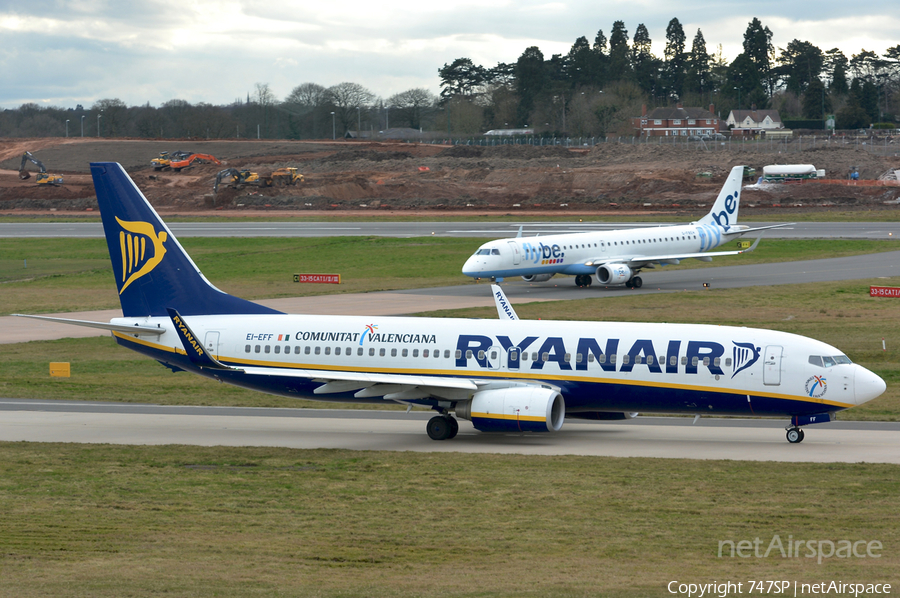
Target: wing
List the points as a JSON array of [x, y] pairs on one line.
[[100, 325], [674, 258]]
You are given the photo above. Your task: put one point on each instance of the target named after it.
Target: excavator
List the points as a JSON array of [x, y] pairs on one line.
[[165, 159], [42, 178], [187, 161], [236, 178]]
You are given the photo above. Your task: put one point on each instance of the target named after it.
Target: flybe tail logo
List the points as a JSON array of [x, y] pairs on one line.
[[141, 248]]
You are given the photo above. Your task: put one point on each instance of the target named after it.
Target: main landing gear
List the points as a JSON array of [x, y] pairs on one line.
[[795, 435], [442, 427], [636, 282], [583, 281]]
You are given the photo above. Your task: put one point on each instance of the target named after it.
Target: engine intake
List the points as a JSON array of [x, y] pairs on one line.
[[518, 409], [537, 277], [613, 274]]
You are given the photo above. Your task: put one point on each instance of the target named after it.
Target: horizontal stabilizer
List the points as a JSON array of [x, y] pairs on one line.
[[136, 329]]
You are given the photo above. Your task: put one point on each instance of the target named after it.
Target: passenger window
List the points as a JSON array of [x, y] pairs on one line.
[[297, 350], [626, 359], [545, 357], [684, 360], [256, 349], [405, 352], [327, 350], [601, 359], [524, 355], [534, 356], [459, 353], [337, 350], [371, 351], [567, 357], [695, 360], [393, 352], [728, 362], [578, 358], [277, 349], [415, 352], [673, 360], [513, 356], [268, 349], [590, 358], [359, 351], [649, 360], [381, 352], [247, 349], [480, 355], [424, 352], [468, 353], [493, 355], [447, 354], [706, 361], [717, 361], [318, 350], [306, 351], [612, 358]]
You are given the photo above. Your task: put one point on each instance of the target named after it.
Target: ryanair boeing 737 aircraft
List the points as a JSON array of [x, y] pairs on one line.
[[616, 257], [505, 375]]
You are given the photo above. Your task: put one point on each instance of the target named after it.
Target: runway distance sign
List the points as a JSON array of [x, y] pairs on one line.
[[884, 291], [318, 278]]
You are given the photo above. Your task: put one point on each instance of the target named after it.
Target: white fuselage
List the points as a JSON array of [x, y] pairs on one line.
[[597, 366]]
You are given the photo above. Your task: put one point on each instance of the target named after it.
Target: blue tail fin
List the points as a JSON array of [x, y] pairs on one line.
[[153, 272]]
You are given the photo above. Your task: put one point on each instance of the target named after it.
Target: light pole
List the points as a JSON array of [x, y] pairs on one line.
[[358, 121], [739, 97], [333, 131], [67, 127], [99, 116], [82, 125]]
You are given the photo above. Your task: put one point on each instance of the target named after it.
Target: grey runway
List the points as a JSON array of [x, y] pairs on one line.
[[732, 439]]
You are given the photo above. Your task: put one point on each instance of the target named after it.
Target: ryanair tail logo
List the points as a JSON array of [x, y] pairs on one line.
[[137, 258]]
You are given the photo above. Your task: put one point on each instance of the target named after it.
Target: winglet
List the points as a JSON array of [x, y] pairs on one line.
[[192, 345], [504, 308], [521, 226]]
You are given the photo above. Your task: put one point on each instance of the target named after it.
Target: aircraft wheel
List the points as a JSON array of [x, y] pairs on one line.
[[588, 280], [795, 435], [629, 284], [439, 428], [454, 427], [637, 281]]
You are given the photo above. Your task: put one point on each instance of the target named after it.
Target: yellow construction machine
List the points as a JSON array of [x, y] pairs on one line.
[[41, 178]]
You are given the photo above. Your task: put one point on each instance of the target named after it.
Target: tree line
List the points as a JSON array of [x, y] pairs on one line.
[[593, 90]]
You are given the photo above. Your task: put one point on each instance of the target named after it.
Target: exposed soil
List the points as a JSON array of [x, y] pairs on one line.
[[364, 177]]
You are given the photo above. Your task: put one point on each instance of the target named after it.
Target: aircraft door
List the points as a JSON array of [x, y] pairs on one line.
[[494, 357], [515, 252], [513, 357], [212, 343], [772, 366]]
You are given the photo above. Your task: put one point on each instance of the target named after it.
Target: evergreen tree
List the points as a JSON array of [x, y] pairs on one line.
[[675, 59], [697, 78], [619, 68], [759, 50], [531, 79], [836, 66], [645, 65], [601, 59], [800, 63]]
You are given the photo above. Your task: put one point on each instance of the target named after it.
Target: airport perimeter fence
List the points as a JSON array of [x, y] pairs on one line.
[[883, 146]]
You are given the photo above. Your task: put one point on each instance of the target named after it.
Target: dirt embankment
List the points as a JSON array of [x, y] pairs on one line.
[[371, 176]]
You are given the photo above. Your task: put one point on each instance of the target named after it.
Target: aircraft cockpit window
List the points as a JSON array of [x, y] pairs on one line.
[[483, 252], [842, 360], [495, 252], [826, 361]]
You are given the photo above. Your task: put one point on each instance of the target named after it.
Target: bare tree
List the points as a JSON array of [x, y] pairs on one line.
[[346, 98], [410, 105], [113, 112], [307, 95]]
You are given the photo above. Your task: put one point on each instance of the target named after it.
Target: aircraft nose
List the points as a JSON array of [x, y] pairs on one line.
[[472, 267], [867, 385]]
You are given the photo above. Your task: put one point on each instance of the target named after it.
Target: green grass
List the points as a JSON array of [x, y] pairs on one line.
[[82, 520], [75, 274], [839, 313]]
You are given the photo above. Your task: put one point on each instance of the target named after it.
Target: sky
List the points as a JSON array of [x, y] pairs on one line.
[[69, 52]]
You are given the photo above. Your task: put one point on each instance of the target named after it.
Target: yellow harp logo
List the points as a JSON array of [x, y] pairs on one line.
[[136, 260]]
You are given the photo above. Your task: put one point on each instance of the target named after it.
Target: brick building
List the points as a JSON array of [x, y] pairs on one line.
[[677, 121]]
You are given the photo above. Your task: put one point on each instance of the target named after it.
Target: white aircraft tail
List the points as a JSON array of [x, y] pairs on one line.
[[724, 212]]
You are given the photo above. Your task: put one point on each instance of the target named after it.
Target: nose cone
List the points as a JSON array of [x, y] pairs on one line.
[[866, 385], [473, 266]]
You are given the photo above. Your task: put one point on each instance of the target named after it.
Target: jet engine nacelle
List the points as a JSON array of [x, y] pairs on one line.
[[613, 274], [537, 277], [517, 409]]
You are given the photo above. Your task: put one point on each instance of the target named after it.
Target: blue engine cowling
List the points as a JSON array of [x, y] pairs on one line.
[[516, 409], [613, 273]]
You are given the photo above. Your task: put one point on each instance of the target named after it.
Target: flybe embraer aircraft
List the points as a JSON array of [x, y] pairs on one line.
[[615, 256], [505, 375]]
